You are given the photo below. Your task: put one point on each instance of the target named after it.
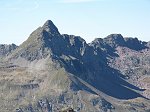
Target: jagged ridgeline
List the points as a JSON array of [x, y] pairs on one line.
[[54, 72]]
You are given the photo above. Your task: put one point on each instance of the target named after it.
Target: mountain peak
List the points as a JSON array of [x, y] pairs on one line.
[[115, 37], [114, 40], [50, 27], [48, 22]]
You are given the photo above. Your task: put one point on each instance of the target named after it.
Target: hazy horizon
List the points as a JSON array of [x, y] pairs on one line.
[[89, 19]]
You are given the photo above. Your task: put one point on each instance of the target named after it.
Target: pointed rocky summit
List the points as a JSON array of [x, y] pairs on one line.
[[50, 27]]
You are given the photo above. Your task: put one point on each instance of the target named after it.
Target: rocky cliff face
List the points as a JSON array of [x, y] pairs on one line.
[[6, 49], [51, 72], [129, 56]]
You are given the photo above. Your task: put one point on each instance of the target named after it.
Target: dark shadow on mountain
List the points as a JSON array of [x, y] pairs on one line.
[[106, 79], [135, 44], [113, 85], [110, 83], [90, 64]]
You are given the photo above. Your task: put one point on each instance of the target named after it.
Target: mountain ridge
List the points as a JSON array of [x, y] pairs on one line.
[[53, 68]]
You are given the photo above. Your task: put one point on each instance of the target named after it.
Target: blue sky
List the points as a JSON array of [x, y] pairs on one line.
[[89, 19]]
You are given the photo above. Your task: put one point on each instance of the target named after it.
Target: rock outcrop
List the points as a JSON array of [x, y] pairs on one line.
[[6, 49]]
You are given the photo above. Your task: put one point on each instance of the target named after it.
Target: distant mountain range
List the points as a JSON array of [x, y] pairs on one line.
[[51, 72]]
